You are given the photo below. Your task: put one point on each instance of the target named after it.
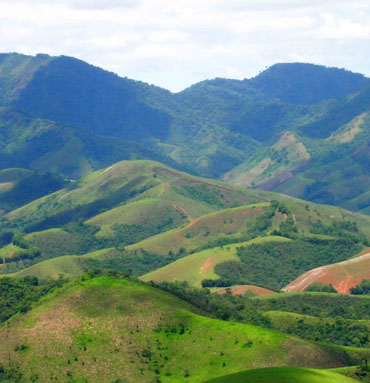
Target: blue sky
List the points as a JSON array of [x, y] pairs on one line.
[[176, 43]]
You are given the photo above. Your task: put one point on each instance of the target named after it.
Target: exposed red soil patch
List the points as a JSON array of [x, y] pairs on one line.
[[207, 265], [343, 276], [193, 223], [242, 289]]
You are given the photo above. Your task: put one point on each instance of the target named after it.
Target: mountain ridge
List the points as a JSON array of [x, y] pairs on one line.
[[63, 108]]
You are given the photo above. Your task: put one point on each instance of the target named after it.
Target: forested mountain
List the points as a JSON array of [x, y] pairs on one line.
[[299, 129]]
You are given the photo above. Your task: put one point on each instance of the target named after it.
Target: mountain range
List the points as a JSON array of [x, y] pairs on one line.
[[297, 129]]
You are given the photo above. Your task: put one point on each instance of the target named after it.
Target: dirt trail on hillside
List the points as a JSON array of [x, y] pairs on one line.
[[344, 286], [207, 265], [194, 222], [183, 211]]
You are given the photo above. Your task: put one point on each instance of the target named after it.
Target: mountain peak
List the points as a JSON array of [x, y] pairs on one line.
[[303, 83]]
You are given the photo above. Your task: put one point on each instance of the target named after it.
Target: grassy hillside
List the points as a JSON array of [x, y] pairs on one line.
[[145, 208], [283, 375], [91, 329], [201, 265], [131, 181]]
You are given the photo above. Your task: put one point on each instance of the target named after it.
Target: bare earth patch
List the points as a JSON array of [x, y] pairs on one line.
[[343, 276]]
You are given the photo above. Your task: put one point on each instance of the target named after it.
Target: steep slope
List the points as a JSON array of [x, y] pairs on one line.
[[16, 71], [94, 329], [20, 186], [70, 91], [343, 276]]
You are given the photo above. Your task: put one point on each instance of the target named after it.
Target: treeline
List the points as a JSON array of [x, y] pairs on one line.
[[133, 263], [220, 282], [221, 306], [335, 331], [317, 305]]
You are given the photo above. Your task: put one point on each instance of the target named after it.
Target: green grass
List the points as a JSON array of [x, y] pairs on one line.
[[66, 266], [104, 329], [198, 266], [231, 223], [283, 375]]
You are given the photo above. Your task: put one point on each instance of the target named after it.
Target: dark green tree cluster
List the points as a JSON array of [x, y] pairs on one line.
[[362, 289], [216, 283]]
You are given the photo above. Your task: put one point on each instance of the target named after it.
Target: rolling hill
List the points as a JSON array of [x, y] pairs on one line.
[[283, 375], [141, 216], [93, 329]]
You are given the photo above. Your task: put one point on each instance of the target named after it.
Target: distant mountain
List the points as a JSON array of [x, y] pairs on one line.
[[273, 132], [299, 83]]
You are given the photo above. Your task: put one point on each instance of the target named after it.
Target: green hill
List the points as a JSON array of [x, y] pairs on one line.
[[147, 211], [283, 375], [104, 329]]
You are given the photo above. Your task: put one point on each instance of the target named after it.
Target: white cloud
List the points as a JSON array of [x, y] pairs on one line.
[[176, 43]]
